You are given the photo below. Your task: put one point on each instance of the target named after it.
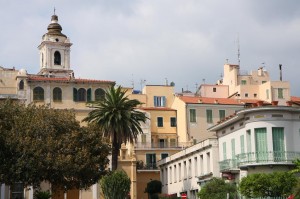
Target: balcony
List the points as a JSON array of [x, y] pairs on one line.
[[259, 158], [266, 158], [140, 165], [228, 165], [149, 145]]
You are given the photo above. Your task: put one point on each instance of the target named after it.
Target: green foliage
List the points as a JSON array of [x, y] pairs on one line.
[[42, 195], [154, 186], [115, 185], [217, 188], [39, 143], [277, 184], [118, 119]]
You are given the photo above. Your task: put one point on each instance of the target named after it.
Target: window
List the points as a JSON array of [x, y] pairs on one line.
[[17, 190], [261, 145], [175, 173], [246, 95], [57, 94], [278, 143], [143, 138], [209, 116], [164, 155], [243, 82], [184, 170], [81, 95], [233, 148], [38, 94], [224, 151], [214, 90], [21, 85], [222, 114], [255, 95], [99, 94], [242, 144], [151, 160], [196, 166], [267, 93], [172, 142], [208, 162], [173, 121], [263, 82], [179, 171], [190, 168], [248, 138], [160, 122], [170, 171], [159, 101], [57, 58], [280, 93], [201, 165], [192, 115]]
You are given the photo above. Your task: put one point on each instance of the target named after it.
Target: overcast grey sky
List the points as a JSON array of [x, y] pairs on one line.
[[184, 41]]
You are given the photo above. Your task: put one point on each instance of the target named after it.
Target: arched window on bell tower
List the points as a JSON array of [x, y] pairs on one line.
[[57, 58]]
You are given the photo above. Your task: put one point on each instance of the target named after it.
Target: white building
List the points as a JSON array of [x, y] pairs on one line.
[[256, 140], [184, 171]]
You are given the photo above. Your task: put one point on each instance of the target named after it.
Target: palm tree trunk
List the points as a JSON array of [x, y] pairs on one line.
[[115, 153]]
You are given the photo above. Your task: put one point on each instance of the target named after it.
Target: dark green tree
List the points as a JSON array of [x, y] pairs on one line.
[[115, 185], [277, 184], [43, 144], [118, 119], [217, 188], [153, 189]]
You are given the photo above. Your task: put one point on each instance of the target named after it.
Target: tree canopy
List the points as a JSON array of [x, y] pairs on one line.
[[38, 144], [118, 119], [276, 184], [217, 188]]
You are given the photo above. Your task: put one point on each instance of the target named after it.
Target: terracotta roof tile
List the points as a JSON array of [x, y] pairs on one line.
[[295, 99]]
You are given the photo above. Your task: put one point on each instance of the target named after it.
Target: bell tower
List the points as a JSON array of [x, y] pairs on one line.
[[55, 51]]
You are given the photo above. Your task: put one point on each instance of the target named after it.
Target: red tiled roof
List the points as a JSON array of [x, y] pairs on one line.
[[64, 79], [156, 109], [295, 99], [209, 100]]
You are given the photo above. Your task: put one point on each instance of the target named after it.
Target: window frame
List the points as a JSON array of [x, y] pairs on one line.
[[209, 116], [160, 121], [173, 122], [193, 115], [57, 94], [38, 94]]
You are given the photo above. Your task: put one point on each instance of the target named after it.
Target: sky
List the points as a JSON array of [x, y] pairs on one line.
[[138, 42]]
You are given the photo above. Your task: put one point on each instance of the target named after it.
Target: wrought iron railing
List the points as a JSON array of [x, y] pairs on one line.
[[268, 157], [148, 166]]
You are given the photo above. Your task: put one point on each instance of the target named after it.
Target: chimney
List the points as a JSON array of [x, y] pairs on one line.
[[280, 65]]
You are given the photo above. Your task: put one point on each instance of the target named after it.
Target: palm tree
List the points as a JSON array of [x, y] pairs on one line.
[[118, 119]]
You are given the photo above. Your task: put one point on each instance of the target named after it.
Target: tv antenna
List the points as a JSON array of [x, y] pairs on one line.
[[238, 51]]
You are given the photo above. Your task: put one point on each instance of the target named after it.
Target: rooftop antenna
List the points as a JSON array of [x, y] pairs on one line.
[[132, 81], [54, 10], [238, 53], [196, 84], [203, 81], [143, 81], [166, 81]]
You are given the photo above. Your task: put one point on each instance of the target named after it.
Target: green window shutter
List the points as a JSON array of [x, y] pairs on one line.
[[278, 143], [192, 115], [233, 148], [89, 94], [209, 116], [261, 146], [224, 151], [222, 114], [242, 144], [249, 149], [75, 98]]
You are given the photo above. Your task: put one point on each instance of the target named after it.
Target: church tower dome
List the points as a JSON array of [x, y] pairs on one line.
[[55, 50]]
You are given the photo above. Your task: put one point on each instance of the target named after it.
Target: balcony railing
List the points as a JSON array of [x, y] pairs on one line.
[[256, 158], [148, 145], [228, 164], [149, 166]]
